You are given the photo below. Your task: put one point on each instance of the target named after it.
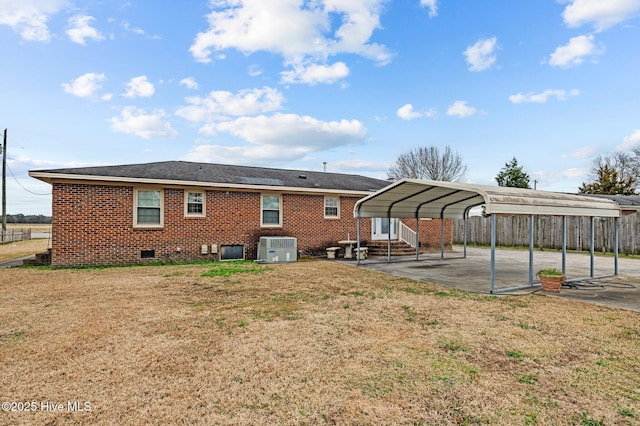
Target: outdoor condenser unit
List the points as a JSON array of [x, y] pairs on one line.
[[277, 249]]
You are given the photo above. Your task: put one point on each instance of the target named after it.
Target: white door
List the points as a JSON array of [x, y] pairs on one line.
[[383, 229]]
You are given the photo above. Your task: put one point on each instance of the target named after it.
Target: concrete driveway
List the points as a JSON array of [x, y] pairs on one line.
[[512, 270]]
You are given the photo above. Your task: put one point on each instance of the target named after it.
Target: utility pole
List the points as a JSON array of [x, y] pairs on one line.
[[3, 148]]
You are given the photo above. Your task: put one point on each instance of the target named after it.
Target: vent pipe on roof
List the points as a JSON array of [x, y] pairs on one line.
[[324, 163]]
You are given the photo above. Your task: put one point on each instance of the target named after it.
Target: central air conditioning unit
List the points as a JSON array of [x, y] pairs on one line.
[[277, 249]]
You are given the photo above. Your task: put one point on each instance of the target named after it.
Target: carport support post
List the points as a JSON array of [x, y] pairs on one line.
[[464, 232], [417, 238], [615, 246], [441, 236], [531, 235], [389, 240], [493, 253], [592, 243], [358, 235], [564, 246]]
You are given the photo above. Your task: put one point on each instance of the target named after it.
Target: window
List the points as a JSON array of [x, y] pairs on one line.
[[194, 204], [271, 210], [331, 207], [148, 208]]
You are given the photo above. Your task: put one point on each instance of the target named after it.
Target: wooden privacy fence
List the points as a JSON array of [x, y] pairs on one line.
[[17, 234], [514, 231]]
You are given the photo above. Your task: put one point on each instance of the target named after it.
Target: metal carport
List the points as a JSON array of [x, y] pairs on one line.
[[422, 199]]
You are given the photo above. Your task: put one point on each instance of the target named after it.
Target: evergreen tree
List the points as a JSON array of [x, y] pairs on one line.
[[608, 182], [512, 175]]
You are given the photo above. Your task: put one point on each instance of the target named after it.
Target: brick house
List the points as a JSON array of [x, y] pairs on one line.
[[167, 211]]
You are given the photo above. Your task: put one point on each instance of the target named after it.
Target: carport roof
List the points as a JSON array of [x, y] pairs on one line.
[[434, 199]]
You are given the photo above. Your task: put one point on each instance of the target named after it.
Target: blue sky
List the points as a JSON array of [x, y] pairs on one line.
[[296, 83]]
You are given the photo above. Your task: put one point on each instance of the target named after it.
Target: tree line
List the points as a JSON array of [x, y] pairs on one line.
[[612, 174], [29, 218]]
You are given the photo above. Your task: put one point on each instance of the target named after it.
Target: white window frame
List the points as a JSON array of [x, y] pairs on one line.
[[270, 225], [186, 203], [135, 208], [337, 207]]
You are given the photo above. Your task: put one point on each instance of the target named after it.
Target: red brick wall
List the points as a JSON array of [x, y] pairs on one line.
[[430, 232], [93, 225]]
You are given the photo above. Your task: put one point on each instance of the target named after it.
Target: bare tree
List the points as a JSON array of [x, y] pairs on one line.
[[429, 163]]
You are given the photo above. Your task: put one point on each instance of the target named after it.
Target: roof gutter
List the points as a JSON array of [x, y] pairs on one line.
[[51, 177]]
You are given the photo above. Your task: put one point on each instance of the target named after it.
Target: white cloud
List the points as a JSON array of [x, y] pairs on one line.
[[574, 172], [79, 29], [239, 155], [220, 105], [481, 55], [255, 70], [136, 30], [136, 121], [602, 14], [301, 32], [359, 166], [531, 97], [432, 5], [29, 17], [139, 87], [84, 86], [566, 180], [584, 152], [278, 139], [314, 74], [189, 83], [630, 142], [406, 112], [574, 52], [291, 130], [460, 109]]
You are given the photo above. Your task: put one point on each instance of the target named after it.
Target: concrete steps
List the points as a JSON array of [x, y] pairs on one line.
[[41, 259], [398, 248]]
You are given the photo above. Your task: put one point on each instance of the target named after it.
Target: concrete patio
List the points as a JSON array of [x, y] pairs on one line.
[[512, 269]]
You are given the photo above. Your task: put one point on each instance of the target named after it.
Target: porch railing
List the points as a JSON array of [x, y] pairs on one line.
[[408, 235]]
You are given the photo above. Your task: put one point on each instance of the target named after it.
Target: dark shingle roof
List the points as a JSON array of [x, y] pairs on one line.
[[184, 171], [625, 201]]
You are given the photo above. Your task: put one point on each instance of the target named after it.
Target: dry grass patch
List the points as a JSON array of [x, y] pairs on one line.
[[18, 249], [307, 343], [35, 227]]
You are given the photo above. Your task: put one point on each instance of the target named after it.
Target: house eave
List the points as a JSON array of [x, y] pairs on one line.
[[51, 177]]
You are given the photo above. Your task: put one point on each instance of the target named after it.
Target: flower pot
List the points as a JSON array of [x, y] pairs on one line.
[[551, 283]]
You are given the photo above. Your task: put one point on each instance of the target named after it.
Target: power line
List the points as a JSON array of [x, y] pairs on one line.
[[22, 186]]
